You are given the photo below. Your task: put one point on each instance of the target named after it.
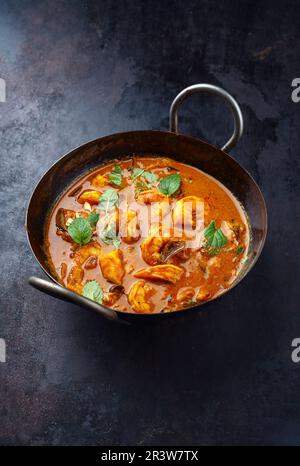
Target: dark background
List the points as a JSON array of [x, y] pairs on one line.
[[82, 69]]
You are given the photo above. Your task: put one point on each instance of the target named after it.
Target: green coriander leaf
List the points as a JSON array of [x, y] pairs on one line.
[[239, 250], [116, 175], [93, 219], [215, 238], [108, 200], [170, 184], [93, 291], [80, 231]]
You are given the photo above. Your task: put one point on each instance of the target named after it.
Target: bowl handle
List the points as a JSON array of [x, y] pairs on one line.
[[236, 111], [66, 295]]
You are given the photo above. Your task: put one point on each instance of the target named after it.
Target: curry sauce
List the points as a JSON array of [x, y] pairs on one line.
[[147, 235]]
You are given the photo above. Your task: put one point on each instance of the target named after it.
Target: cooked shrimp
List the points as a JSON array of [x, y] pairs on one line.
[[64, 216], [159, 239], [152, 246], [189, 212]]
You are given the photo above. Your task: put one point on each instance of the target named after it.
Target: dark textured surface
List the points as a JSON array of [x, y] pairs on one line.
[[79, 70]]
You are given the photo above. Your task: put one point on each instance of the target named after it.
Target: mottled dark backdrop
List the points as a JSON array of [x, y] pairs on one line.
[[78, 70]]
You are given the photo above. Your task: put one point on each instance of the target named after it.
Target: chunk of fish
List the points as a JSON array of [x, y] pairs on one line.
[[62, 217], [88, 250]]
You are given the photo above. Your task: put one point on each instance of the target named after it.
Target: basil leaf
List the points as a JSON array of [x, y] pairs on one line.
[[150, 177], [116, 175], [108, 200], [137, 172], [93, 219], [93, 291], [80, 231], [170, 184], [109, 235], [215, 238]]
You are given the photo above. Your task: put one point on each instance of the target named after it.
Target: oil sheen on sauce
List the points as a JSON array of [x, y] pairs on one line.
[[204, 273]]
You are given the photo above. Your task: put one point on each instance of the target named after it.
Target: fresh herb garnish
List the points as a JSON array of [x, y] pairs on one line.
[[93, 291], [93, 219], [109, 235], [170, 184], [80, 230], [136, 173], [116, 175], [108, 200], [239, 250], [150, 177], [215, 238]]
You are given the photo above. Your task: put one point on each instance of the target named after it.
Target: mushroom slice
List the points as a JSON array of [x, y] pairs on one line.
[[171, 249], [167, 273], [139, 297], [62, 217], [112, 266], [152, 246]]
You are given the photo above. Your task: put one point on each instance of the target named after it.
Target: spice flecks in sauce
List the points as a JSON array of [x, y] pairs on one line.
[[140, 255]]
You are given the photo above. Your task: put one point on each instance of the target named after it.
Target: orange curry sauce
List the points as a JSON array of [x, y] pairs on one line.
[[137, 272]]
